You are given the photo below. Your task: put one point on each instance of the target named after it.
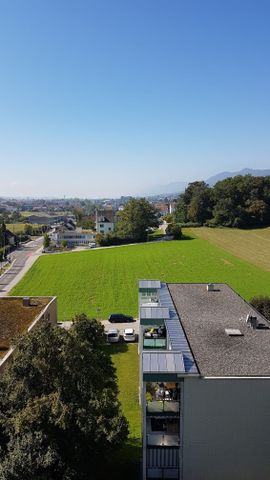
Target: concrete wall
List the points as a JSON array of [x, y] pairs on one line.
[[226, 429], [48, 314]]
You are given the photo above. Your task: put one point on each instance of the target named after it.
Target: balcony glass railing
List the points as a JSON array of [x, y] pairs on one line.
[[154, 343], [163, 406], [162, 440]]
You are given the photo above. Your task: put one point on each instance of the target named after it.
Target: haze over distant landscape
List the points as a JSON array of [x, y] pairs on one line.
[[102, 99]]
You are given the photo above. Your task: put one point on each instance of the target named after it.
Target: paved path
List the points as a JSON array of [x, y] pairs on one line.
[[22, 259]]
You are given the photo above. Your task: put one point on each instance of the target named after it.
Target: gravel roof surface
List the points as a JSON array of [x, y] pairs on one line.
[[205, 316]]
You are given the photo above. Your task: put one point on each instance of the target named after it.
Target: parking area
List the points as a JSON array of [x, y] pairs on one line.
[[121, 326], [109, 326]]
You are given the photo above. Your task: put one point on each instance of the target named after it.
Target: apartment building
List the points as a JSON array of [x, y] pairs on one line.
[[74, 238], [19, 315], [204, 383]]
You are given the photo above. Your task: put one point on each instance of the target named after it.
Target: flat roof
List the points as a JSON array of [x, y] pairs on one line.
[[163, 362], [154, 313], [149, 284], [15, 318], [205, 315]]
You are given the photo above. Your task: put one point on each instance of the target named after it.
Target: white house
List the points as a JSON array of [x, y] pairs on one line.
[[105, 220]]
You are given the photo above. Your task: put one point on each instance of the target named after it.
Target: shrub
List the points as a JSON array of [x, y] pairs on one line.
[[262, 304], [175, 230]]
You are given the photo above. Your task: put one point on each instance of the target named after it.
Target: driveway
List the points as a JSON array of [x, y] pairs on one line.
[[22, 260]]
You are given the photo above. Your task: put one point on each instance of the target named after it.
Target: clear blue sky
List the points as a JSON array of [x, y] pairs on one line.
[[104, 98]]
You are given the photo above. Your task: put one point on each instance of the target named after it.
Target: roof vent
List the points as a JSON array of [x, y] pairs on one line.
[[233, 332], [210, 287], [252, 321], [26, 301]]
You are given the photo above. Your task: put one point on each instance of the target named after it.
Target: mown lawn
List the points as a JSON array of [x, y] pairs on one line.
[[107, 279], [18, 228], [126, 361], [125, 462], [250, 245]]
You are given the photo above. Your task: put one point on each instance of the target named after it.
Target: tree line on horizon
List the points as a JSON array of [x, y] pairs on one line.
[[240, 202]]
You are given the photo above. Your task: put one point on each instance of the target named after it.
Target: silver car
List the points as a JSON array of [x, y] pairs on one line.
[[129, 335], [113, 335]]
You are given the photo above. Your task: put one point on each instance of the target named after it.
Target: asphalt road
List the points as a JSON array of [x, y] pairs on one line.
[[21, 260]]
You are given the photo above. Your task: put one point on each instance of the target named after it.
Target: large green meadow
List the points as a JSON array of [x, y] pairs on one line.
[[102, 281]]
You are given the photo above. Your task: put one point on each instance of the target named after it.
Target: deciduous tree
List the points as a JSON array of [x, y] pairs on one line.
[[137, 217], [59, 412]]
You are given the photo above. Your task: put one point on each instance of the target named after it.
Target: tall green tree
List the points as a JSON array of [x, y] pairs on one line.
[[195, 204], [46, 240], [59, 412], [137, 217], [3, 230]]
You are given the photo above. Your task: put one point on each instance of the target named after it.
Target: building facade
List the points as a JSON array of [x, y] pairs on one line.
[[105, 221], [74, 238], [204, 383]]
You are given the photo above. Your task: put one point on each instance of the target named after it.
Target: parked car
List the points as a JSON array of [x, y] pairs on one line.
[[129, 335], [113, 336], [120, 318], [92, 245]]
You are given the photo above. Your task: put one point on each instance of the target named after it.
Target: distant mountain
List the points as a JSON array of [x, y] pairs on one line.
[[245, 171], [179, 187], [169, 188]]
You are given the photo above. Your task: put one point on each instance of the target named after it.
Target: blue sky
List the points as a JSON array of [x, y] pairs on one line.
[[112, 97]]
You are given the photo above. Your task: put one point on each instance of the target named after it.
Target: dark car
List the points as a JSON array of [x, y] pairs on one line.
[[120, 317]]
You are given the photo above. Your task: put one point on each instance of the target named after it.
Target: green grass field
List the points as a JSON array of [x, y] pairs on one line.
[[125, 461], [108, 278], [251, 245], [43, 214], [18, 228], [125, 358]]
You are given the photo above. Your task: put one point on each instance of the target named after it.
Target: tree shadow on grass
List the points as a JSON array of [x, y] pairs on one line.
[[120, 347], [187, 237], [122, 463]]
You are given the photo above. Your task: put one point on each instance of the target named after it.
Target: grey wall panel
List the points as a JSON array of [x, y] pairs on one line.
[[226, 432]]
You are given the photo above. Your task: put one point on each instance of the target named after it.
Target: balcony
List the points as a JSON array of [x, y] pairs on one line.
[[163, 406], [163, 398], [162, 440], [155, 338]]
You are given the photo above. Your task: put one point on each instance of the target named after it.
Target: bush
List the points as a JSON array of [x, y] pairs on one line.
[[175, 230], [189, 224], [262, 304], [112, 239]]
